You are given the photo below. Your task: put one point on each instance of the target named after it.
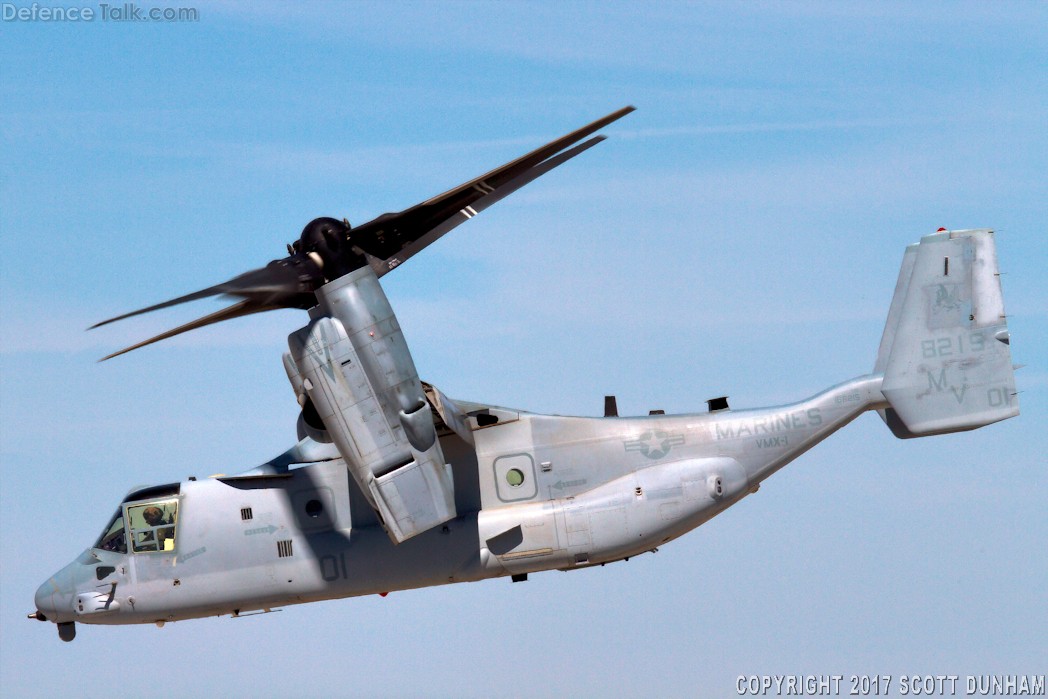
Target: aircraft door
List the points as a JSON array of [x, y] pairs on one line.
[[577, 527], [151, 537]]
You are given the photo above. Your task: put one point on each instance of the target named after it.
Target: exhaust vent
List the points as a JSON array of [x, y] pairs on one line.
[[719, 403], [716, 487], [284, 548], [245, 513]]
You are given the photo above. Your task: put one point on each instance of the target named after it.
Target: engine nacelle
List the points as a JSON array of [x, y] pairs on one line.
[[354, 367]]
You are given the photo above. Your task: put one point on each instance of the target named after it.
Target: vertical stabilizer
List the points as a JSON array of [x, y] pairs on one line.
[[945, 349]]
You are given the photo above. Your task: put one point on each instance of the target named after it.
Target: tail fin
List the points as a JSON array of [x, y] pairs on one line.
[[945, 349]]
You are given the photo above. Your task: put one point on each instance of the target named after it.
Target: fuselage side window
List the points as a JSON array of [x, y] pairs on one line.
[[113, 537], [153, 525]]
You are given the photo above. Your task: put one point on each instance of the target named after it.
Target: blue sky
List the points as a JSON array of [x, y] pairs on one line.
[[739, 234]]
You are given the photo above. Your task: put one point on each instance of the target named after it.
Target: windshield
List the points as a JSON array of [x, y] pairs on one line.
[[153, 525], [113, 538]]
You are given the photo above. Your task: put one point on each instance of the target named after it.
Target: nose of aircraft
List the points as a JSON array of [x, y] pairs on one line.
[[44, 599], [54, 599]]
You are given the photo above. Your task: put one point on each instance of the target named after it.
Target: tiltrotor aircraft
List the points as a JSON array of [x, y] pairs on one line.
[[394, 486]]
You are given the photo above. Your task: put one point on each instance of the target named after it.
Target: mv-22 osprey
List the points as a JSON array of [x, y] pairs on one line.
[[393, 486]]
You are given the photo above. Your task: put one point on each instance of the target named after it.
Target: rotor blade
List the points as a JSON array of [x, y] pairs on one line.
[[385, 242], [237, 310], [411, 249], [534, 173], [387, 235], [511, 169], [286, 283], [203, 293]]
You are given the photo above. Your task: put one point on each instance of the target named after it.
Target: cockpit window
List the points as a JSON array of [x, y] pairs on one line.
[[113, 537], [153, 525], [154, 492]]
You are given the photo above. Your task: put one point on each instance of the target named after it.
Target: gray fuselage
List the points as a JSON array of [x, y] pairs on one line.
[[538, 492]]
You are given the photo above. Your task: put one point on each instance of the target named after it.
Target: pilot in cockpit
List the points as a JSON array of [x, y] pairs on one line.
[[154, 517]]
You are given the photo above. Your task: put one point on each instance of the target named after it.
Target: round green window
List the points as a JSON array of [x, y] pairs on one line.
[[514, 477]]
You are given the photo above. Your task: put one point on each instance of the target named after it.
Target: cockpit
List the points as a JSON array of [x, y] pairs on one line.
[[147, 520]]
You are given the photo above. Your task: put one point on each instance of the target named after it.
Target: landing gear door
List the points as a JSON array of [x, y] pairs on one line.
[[358, 373]]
